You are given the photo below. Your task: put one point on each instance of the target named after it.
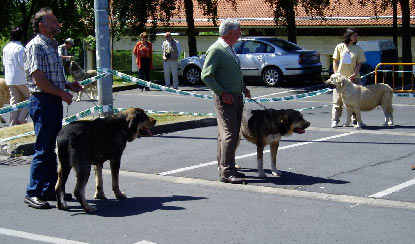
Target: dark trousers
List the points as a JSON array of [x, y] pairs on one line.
[[46, 112], [144, 71], [229, 118]]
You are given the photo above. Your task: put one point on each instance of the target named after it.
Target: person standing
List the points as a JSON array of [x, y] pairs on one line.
[[46, 82], [14, 74], [347, 60], [222, 74], [64, 48], [171, 51], [143, 52]]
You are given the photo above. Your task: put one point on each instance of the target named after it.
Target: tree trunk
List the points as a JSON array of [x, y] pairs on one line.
[[406, 32], [191, 35], [290, 18]]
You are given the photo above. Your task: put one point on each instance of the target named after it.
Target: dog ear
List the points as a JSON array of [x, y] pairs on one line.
[[134, 117]]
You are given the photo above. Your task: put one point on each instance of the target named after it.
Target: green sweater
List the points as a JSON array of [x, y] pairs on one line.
[[221, 72]]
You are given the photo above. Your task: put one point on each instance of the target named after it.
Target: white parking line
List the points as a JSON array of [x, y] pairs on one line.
[[36, 237], [309, 87], [393, 189], [253, 154]]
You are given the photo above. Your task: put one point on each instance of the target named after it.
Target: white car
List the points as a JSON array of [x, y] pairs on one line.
[[268, 58]]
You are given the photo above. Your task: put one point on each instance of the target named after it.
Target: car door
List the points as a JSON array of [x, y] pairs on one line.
[[250, 54]]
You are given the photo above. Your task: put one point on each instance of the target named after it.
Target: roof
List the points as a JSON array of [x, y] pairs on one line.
[[254, 13]]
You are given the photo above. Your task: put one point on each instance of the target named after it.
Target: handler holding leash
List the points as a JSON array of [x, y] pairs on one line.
[[46, 82], [347, 60], [222, 74]]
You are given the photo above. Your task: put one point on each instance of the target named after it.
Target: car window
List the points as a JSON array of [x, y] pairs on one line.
[[283, 44], [238, 47], [256, 47]]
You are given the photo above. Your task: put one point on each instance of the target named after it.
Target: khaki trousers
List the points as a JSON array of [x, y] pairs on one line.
[[18, 93], [337, 109], [229, 118]]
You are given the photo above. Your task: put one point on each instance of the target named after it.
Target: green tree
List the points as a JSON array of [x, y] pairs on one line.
[[210, 9], [284, 12], [406, 7]]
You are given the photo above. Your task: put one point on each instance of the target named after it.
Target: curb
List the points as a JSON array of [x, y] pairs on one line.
[[27, 149]]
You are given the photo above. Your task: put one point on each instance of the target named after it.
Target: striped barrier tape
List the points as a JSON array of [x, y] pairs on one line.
[[141, 82], [26, 103], [107, 108], [14, 107]]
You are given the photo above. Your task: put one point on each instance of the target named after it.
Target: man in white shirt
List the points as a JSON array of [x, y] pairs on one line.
[[171, 53], [14, 74]]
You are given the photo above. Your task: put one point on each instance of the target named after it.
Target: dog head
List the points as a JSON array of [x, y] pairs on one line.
[[78, 74], [292, 121], [337, 81], [138, 123]]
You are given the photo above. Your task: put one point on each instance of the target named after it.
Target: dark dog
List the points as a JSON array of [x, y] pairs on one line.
[[85, 143], [266, 127], [78, 74]]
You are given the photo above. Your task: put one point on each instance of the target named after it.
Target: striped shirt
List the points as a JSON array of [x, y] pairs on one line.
[[41, 53]]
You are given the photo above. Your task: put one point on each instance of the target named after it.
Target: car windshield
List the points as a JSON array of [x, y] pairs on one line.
[[283, 44]]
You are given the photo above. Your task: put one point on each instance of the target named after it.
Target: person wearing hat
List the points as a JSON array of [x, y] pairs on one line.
[[63, 49]]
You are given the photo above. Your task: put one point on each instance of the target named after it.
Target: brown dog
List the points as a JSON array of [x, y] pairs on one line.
[[84, 143], [78, 74], [4, 96], [266, 127]]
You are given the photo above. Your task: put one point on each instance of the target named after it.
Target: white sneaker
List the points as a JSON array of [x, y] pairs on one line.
[[334, 124]]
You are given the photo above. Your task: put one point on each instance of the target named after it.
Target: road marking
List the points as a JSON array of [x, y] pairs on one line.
[[37, 237], [353, 200], [145, 242], [294, 90], [393, 189], [373, 132], [252, 154]]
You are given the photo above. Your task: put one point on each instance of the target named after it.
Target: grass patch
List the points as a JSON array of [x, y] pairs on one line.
[[167, 118]]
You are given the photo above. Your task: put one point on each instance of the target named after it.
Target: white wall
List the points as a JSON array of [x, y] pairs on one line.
[[324, 45]]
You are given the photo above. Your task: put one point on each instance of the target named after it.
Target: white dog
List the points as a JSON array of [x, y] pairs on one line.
[[363, 98]]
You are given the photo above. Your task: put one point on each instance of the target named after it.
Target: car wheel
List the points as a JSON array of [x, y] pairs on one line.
[[192, 74], [272, 76]]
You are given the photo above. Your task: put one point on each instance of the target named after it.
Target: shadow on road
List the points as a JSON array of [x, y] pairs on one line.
[[134, 205], [290, 178]]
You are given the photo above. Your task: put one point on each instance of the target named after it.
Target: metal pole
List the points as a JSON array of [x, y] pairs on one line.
[[103, 51], [395, 23]]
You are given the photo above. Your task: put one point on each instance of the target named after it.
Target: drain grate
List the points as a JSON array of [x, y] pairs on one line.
[[14, 161]]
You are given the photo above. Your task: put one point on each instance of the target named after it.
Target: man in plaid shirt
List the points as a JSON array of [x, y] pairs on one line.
[[46, 82]]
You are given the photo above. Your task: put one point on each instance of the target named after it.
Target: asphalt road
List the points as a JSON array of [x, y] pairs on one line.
[[340, 185]]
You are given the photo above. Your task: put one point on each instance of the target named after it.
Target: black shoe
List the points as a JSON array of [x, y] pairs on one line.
[[233, 180], [147, 89], [52, 197], [36, 202], [240, 175]]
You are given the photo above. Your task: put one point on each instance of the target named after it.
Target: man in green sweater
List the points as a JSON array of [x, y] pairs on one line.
[[222, 74]]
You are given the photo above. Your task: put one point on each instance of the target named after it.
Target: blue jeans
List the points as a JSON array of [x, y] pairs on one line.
[[46, 112]]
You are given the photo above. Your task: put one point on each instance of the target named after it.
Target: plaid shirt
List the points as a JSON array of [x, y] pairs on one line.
[[41, 53]]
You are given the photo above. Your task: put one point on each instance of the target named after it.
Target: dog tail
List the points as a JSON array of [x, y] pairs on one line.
[[247, 114]]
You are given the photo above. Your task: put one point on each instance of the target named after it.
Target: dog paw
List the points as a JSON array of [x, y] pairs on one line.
[[100, 195], [120, 195], [90, 209], [358, 127], [237, 166], [62, 206], [277, 173]]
